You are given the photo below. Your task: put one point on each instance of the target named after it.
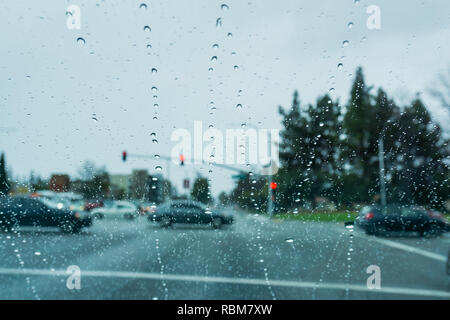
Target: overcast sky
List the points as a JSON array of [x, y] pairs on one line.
[[63, 102]]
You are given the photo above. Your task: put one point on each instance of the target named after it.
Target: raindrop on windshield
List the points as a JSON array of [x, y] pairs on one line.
[[219, 22]]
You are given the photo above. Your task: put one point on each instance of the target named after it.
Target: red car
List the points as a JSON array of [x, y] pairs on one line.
[[89, 205]]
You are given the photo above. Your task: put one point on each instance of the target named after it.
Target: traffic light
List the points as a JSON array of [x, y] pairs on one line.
[[273, 185], [181, 160], [124, 156]]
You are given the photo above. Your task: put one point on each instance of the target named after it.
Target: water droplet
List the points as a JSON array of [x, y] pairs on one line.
[[37, 253], [350, 25], [143, 6], [239, 106], [236, 68], [214, 58], [224, 7], [147, 29], [215, 46], [345, 43], [154, 70], [81, 40], [154, 89], [158, 168], [331, 91], [219, 22], [289, 240], [340, 66], [229, 35]]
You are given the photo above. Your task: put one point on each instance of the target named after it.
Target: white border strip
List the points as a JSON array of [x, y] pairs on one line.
[[227, 280]]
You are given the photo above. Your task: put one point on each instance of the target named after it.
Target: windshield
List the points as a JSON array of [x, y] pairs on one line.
[[225, 150]]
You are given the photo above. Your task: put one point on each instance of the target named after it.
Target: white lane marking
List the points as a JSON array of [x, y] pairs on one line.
[[411, 249], [227, 280], [401, 246]]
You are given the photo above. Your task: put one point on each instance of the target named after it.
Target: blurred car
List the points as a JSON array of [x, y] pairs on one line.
[[448, 263], [186, 211], [93, 204], [114, 209], [146, 208], [378, 219], [26, 211], [59, 203]]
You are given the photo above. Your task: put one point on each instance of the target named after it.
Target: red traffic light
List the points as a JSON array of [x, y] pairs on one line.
[[273, 185], [124, 156], [181, 159]]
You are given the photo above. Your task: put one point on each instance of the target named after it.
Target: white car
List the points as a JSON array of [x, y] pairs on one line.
[[115, 209]]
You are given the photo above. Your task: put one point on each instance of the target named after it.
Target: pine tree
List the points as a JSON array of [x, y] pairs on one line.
[[421, 175], [200, 190], [309, 151], [4, 184]]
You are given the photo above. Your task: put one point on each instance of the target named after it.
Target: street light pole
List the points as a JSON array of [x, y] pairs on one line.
[[381, 162]]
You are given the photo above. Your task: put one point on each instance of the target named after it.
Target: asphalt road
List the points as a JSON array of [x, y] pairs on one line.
[[256, 258]]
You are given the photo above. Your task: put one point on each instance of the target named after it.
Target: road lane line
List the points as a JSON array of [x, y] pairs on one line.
[[401, 246], [227, 280], [411, 249]]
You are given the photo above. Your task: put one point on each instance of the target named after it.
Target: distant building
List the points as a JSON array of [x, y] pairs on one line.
[[120, 185], [140, 185], [59, 183]]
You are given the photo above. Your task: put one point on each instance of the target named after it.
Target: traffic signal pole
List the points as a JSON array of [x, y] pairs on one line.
[[270, 195]]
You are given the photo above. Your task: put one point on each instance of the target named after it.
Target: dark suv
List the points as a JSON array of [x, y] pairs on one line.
[[378, 219], [25, 211], [186, 211]]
